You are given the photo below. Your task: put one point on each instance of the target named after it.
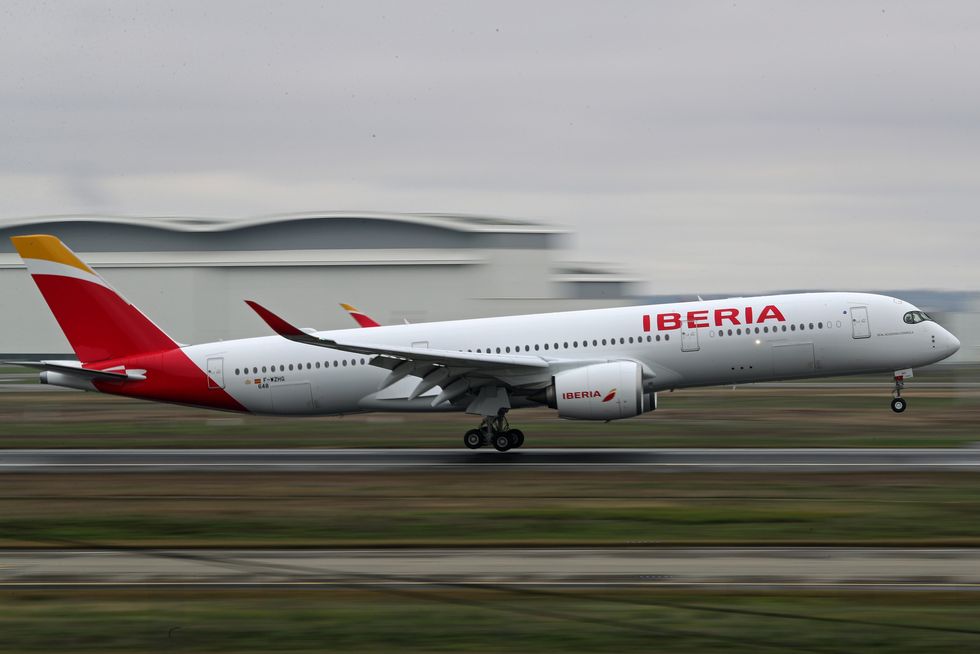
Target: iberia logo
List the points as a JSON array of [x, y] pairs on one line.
[[609, 396]]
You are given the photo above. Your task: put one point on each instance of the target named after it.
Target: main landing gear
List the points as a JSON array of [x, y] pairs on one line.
[[496, 431], [899, 403]]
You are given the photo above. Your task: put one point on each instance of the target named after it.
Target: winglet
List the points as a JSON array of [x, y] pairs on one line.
[[361, 319], [278, 325]]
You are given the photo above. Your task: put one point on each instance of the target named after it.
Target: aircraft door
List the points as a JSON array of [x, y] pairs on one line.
[[860, 327], [216, 372], [689, 340]]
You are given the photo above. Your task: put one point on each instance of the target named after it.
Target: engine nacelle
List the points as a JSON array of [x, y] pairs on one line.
[[601, 391]]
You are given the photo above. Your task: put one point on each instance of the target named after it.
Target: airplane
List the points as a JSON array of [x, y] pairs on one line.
[[359, 317], [599, 364]]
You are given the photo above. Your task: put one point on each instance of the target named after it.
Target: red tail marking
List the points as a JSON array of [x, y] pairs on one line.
[[171, 377], [364, 321], [98, 323]]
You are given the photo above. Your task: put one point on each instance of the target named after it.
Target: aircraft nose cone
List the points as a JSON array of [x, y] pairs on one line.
[[953, 344]]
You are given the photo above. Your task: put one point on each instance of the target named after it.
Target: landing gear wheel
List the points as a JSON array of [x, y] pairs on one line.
[[501, 442], [473, 439], [516, 437], [899, 404]]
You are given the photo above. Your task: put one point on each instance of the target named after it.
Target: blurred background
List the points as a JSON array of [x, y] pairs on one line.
[[434, 160]]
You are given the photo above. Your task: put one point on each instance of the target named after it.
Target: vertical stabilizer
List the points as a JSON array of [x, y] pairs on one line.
[[98, 322]]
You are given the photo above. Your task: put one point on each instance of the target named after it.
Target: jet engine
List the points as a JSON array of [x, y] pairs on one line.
[[601, 391]]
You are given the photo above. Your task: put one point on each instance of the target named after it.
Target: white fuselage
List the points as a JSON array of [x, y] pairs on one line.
[[678, 345]]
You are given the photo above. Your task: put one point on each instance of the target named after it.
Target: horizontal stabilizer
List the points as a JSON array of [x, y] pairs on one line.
[[77, 370]]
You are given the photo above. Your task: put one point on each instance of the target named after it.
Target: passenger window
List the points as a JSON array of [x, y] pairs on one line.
[[344, 363], [363, 362], [658, 338], [666, 337], [546, 346], [792, 328], [535, 347], [603, 341], [507, 349], [290, 366], [631, 340]]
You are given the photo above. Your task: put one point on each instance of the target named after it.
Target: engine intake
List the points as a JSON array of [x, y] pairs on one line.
[[602, 391]]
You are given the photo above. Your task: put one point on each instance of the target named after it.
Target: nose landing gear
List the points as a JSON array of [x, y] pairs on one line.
[[496, 431], [899, 404]]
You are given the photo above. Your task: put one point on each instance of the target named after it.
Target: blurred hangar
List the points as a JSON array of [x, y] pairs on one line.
[[190, 275]]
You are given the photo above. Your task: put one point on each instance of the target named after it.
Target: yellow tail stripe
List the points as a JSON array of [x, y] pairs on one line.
[[47, 248]]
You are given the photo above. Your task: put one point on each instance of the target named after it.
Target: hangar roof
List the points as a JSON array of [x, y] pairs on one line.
[[310, 230], [458, 222]]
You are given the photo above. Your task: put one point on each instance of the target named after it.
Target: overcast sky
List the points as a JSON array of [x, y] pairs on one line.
[[707, 147]]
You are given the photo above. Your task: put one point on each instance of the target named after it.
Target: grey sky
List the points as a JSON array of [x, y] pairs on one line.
[[708, 147]]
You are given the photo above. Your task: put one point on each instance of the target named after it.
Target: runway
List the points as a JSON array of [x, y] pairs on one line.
[[341, 460], [749, 567]]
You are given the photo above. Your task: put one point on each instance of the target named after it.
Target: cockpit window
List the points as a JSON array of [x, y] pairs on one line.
[[913, 317]]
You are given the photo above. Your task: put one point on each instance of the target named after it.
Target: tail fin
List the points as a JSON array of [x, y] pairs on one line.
[[98, 322], [362, 319]]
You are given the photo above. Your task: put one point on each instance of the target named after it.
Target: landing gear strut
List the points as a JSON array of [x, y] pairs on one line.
[[899, 404], [496, 431]]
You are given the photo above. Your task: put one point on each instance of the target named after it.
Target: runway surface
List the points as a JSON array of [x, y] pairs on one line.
[[339, 460], [775, 566]]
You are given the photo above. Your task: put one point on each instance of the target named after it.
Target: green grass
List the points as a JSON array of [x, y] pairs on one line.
[[491, 507], [401, 620], [746, 417]]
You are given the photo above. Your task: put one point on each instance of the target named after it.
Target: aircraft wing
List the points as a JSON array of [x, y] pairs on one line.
[[441, 357], [455, 373]]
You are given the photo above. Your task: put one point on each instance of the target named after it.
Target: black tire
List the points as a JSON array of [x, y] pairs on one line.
[[899, 404], [501, 442], [473, 439], [516, 437]]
